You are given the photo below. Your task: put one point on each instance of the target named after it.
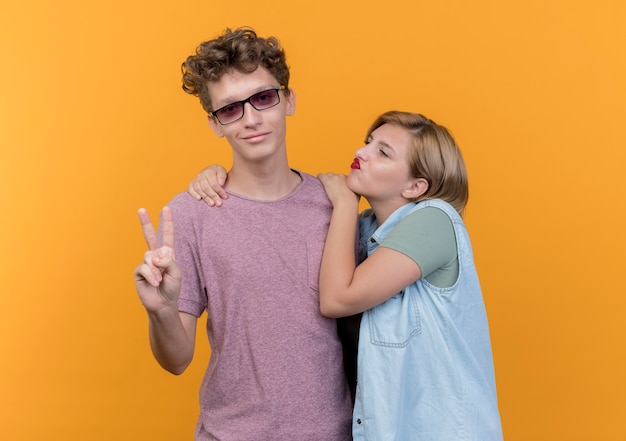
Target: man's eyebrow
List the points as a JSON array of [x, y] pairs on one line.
[[230, 100]]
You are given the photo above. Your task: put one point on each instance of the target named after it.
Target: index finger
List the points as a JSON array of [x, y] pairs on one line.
[[168, 227], [148, 230]]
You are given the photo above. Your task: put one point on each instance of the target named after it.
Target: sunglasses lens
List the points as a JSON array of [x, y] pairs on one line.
[[230, 113], [265, 99], [260, 101]]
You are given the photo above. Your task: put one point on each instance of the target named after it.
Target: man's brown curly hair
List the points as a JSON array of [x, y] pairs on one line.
[[240, 50]]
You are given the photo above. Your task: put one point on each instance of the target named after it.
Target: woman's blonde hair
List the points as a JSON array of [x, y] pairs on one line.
[[434, 157]]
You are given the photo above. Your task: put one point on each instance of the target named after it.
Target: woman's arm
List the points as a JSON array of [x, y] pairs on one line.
[[381, 276], [346, 289]]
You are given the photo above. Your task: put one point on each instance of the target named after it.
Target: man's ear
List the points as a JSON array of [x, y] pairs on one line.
[[415, 188], [291, 103], [216, 127]]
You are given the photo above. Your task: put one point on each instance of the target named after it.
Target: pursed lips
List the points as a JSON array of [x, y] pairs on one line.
[[356, 165]]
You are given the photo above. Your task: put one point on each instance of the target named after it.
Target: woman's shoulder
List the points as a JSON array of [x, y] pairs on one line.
[[429, 214]]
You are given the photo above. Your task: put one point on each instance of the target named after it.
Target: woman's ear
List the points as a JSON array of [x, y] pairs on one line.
[[415, 188]]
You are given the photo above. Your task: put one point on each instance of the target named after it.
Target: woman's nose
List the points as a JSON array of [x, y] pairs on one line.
[[362, 152]]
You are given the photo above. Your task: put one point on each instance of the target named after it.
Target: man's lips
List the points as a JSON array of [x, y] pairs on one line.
[[356, 165], [255, 137]]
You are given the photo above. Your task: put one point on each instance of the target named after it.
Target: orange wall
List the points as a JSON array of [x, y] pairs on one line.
[[93, 125]]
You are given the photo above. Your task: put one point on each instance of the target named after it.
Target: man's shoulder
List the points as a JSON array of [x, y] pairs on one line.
[[312, 183], [186, 207], [184, 201]]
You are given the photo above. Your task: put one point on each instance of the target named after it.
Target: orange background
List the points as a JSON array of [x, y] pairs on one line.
[[94, 125]]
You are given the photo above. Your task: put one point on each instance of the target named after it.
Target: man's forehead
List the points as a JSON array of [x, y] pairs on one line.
[[236, 86]]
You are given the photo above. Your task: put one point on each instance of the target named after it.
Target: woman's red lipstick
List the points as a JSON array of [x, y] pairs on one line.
[[356, 165]]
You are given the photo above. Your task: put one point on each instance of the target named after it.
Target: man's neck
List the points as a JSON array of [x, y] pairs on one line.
[[262, 183]]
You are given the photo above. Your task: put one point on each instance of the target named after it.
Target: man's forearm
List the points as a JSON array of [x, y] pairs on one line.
[[171, 343]]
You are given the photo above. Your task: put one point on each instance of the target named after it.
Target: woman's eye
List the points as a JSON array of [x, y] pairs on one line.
[[382, 152]]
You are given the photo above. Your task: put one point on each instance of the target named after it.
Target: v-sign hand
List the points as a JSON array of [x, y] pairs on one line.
[[158, 278], [148, 230]]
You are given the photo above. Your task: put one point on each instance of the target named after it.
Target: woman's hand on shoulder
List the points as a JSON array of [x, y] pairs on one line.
[[337, 189], [208, 185]]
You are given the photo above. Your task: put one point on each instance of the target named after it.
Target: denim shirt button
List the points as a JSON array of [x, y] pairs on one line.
[[358, 421]]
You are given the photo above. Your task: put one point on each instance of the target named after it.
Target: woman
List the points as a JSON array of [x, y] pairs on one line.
[[425, 369]]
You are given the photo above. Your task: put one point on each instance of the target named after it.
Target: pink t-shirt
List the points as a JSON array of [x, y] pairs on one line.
[[276, 370]]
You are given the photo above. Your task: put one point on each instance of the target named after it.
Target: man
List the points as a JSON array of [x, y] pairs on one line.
[[276, 368]]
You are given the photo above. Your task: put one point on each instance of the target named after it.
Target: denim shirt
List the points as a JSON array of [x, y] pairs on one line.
[[425, 368]]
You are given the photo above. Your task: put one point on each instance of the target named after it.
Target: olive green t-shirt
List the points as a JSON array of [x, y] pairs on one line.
[[427, 236]]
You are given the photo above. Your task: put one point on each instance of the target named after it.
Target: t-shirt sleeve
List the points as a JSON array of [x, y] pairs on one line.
[[427, 237], [191, 299]]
